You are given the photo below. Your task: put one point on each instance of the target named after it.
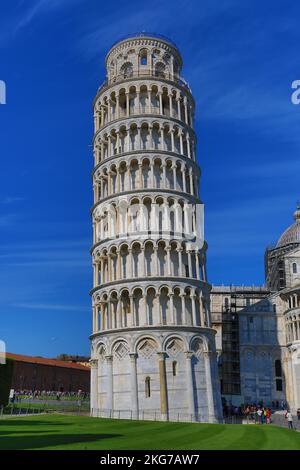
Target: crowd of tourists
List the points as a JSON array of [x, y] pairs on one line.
[[259, 414], [253, 412], [18, 395]]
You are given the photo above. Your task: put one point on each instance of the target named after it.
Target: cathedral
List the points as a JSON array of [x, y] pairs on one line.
[[258, 330], [165, 343]]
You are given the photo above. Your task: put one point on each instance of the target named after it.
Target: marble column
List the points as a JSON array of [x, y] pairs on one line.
[[202, 316], [94, 386], [180, 261], [139, 139], [130, 262], [137, 108], [156, 261], [190, 263], [188, 146], [194, 319], [134, 386], [172, 310], [178, 108], [190, 384], [168, 248], [185, 110], [127, 104], [110, 391], [183, 311], [183, 179], [171, 105], [102, 316], [94, 318], [172, 140], [150, 146], [191, 182], [152, 174], [162, 139], [117, 106], [198, 266], [119, 313], [163, 385], [181, 142], [133, 316], [209, 387], [160, 103], [174, 168]]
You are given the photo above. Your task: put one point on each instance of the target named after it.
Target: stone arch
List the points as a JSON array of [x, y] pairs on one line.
[[138, 306], [196, 340], [126, 69], [120, 349], [146, 346], [174, 345], [152, 305], [101, 351]]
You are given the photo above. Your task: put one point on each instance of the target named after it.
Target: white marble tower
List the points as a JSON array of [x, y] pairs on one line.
[[153, 348]]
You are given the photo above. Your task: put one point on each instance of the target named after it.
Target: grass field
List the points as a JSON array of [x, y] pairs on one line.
[[79, 432], [53, 406]]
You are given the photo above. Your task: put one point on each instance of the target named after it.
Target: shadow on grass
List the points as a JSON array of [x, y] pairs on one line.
[[49, 440], [29, 422]]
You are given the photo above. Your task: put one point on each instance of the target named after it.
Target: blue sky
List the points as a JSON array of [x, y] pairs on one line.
[[240, 59]]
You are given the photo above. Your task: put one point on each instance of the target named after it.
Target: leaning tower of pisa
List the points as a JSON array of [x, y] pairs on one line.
[[153, 348]]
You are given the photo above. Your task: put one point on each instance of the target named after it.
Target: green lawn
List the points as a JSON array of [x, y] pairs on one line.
[[80, 432], [55, 406]]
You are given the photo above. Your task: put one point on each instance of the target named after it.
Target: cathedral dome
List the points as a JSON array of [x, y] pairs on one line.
[[292, 234]]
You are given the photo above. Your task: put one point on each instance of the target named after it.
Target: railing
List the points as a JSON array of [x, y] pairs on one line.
[[132, 74], [24, 408], [144, 35], [135, 111], [145, 415], [278, 419], [140, 110]]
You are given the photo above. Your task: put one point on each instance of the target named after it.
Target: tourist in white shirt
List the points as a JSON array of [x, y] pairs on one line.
[[289, 417], [260, 414]]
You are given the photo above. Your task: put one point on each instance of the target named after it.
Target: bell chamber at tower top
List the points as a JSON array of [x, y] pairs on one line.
[[143, 83], [143, 56]]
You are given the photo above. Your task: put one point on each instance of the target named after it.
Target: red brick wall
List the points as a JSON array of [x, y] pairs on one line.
[[27, 376]]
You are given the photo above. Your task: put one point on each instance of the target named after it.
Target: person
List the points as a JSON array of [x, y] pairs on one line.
[[268, 415], [265, 415], [289, 417], [298, 414], [253, 413], [260, 414]]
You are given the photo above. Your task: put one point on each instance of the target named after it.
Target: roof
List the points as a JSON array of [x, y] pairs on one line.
[[46, 361], [239, 289], [291, 234], [144, 34]]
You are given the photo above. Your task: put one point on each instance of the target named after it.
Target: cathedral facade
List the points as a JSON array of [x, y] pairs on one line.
[[153, 345], [258, 330]]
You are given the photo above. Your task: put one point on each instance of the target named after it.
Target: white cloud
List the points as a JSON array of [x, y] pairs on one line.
[[41, 306], [39, 7], [62, 254], [10, 199], [7, 220]]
